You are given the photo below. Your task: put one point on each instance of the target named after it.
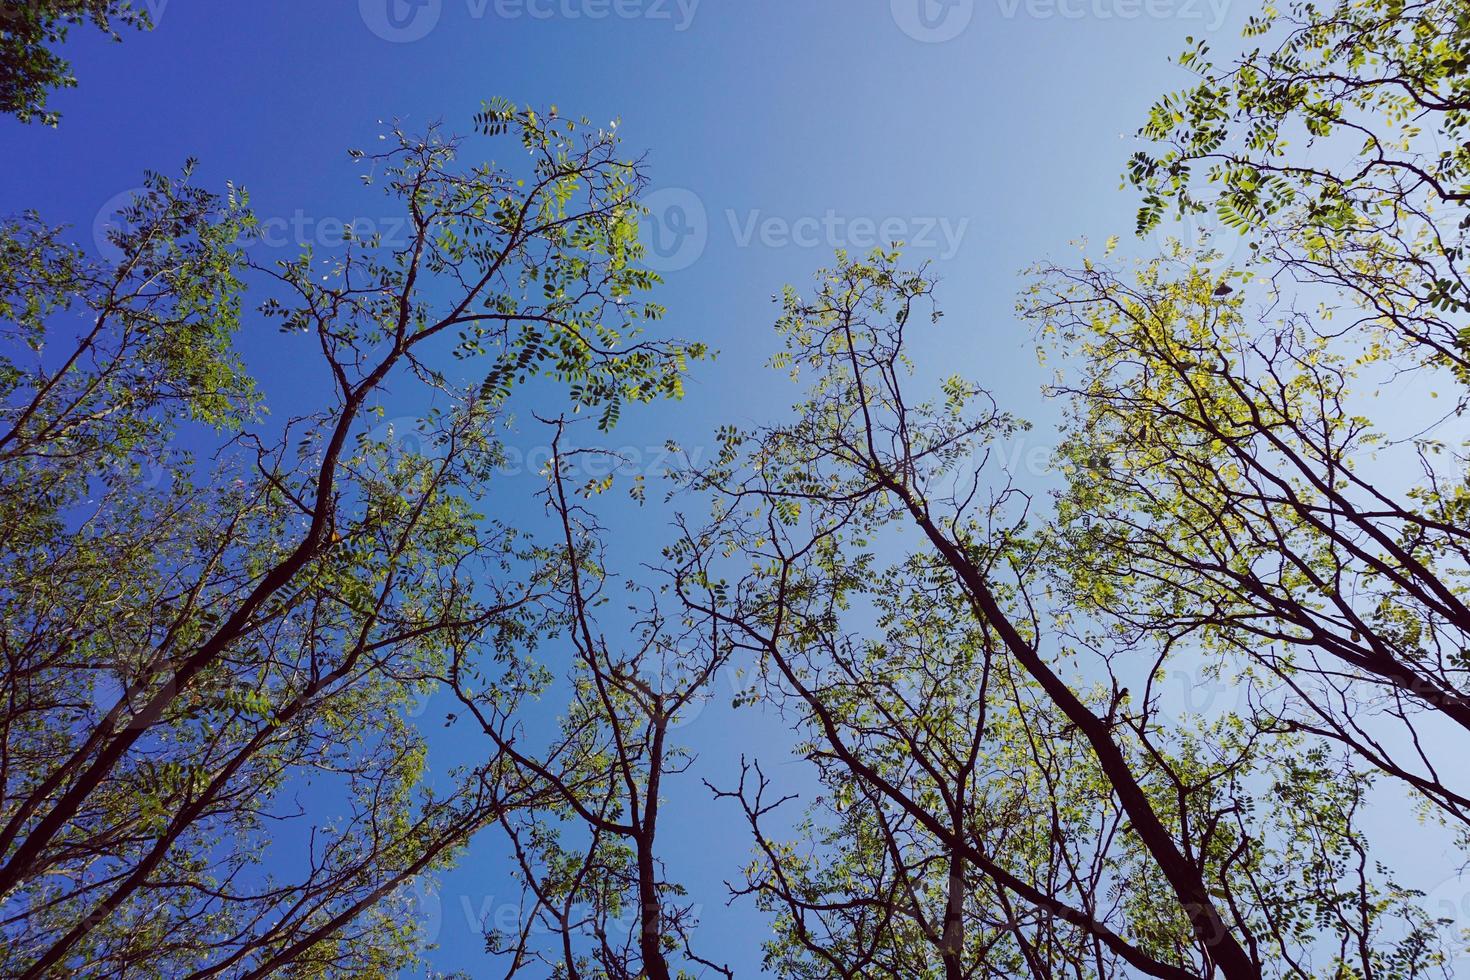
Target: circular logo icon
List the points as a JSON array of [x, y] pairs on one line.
[[416, 903], [933, 21], [401, 21], [1199, 235], [675, 231], [418, 703], [390, 445], [695, 707], [107, 689], [1449, 905], [110, 222]]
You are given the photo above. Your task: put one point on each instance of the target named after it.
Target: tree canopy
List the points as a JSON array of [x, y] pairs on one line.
[[30, 32], [1260, 479]]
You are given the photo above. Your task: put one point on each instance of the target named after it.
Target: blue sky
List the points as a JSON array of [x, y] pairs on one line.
[[989, 133]]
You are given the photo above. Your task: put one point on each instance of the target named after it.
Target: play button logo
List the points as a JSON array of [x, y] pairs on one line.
[[401, 21], [933, 21]]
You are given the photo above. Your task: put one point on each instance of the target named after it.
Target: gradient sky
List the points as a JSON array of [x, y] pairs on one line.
[[987, 132]]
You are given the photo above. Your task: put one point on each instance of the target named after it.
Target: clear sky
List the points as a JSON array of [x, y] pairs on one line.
[[989, 133]]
